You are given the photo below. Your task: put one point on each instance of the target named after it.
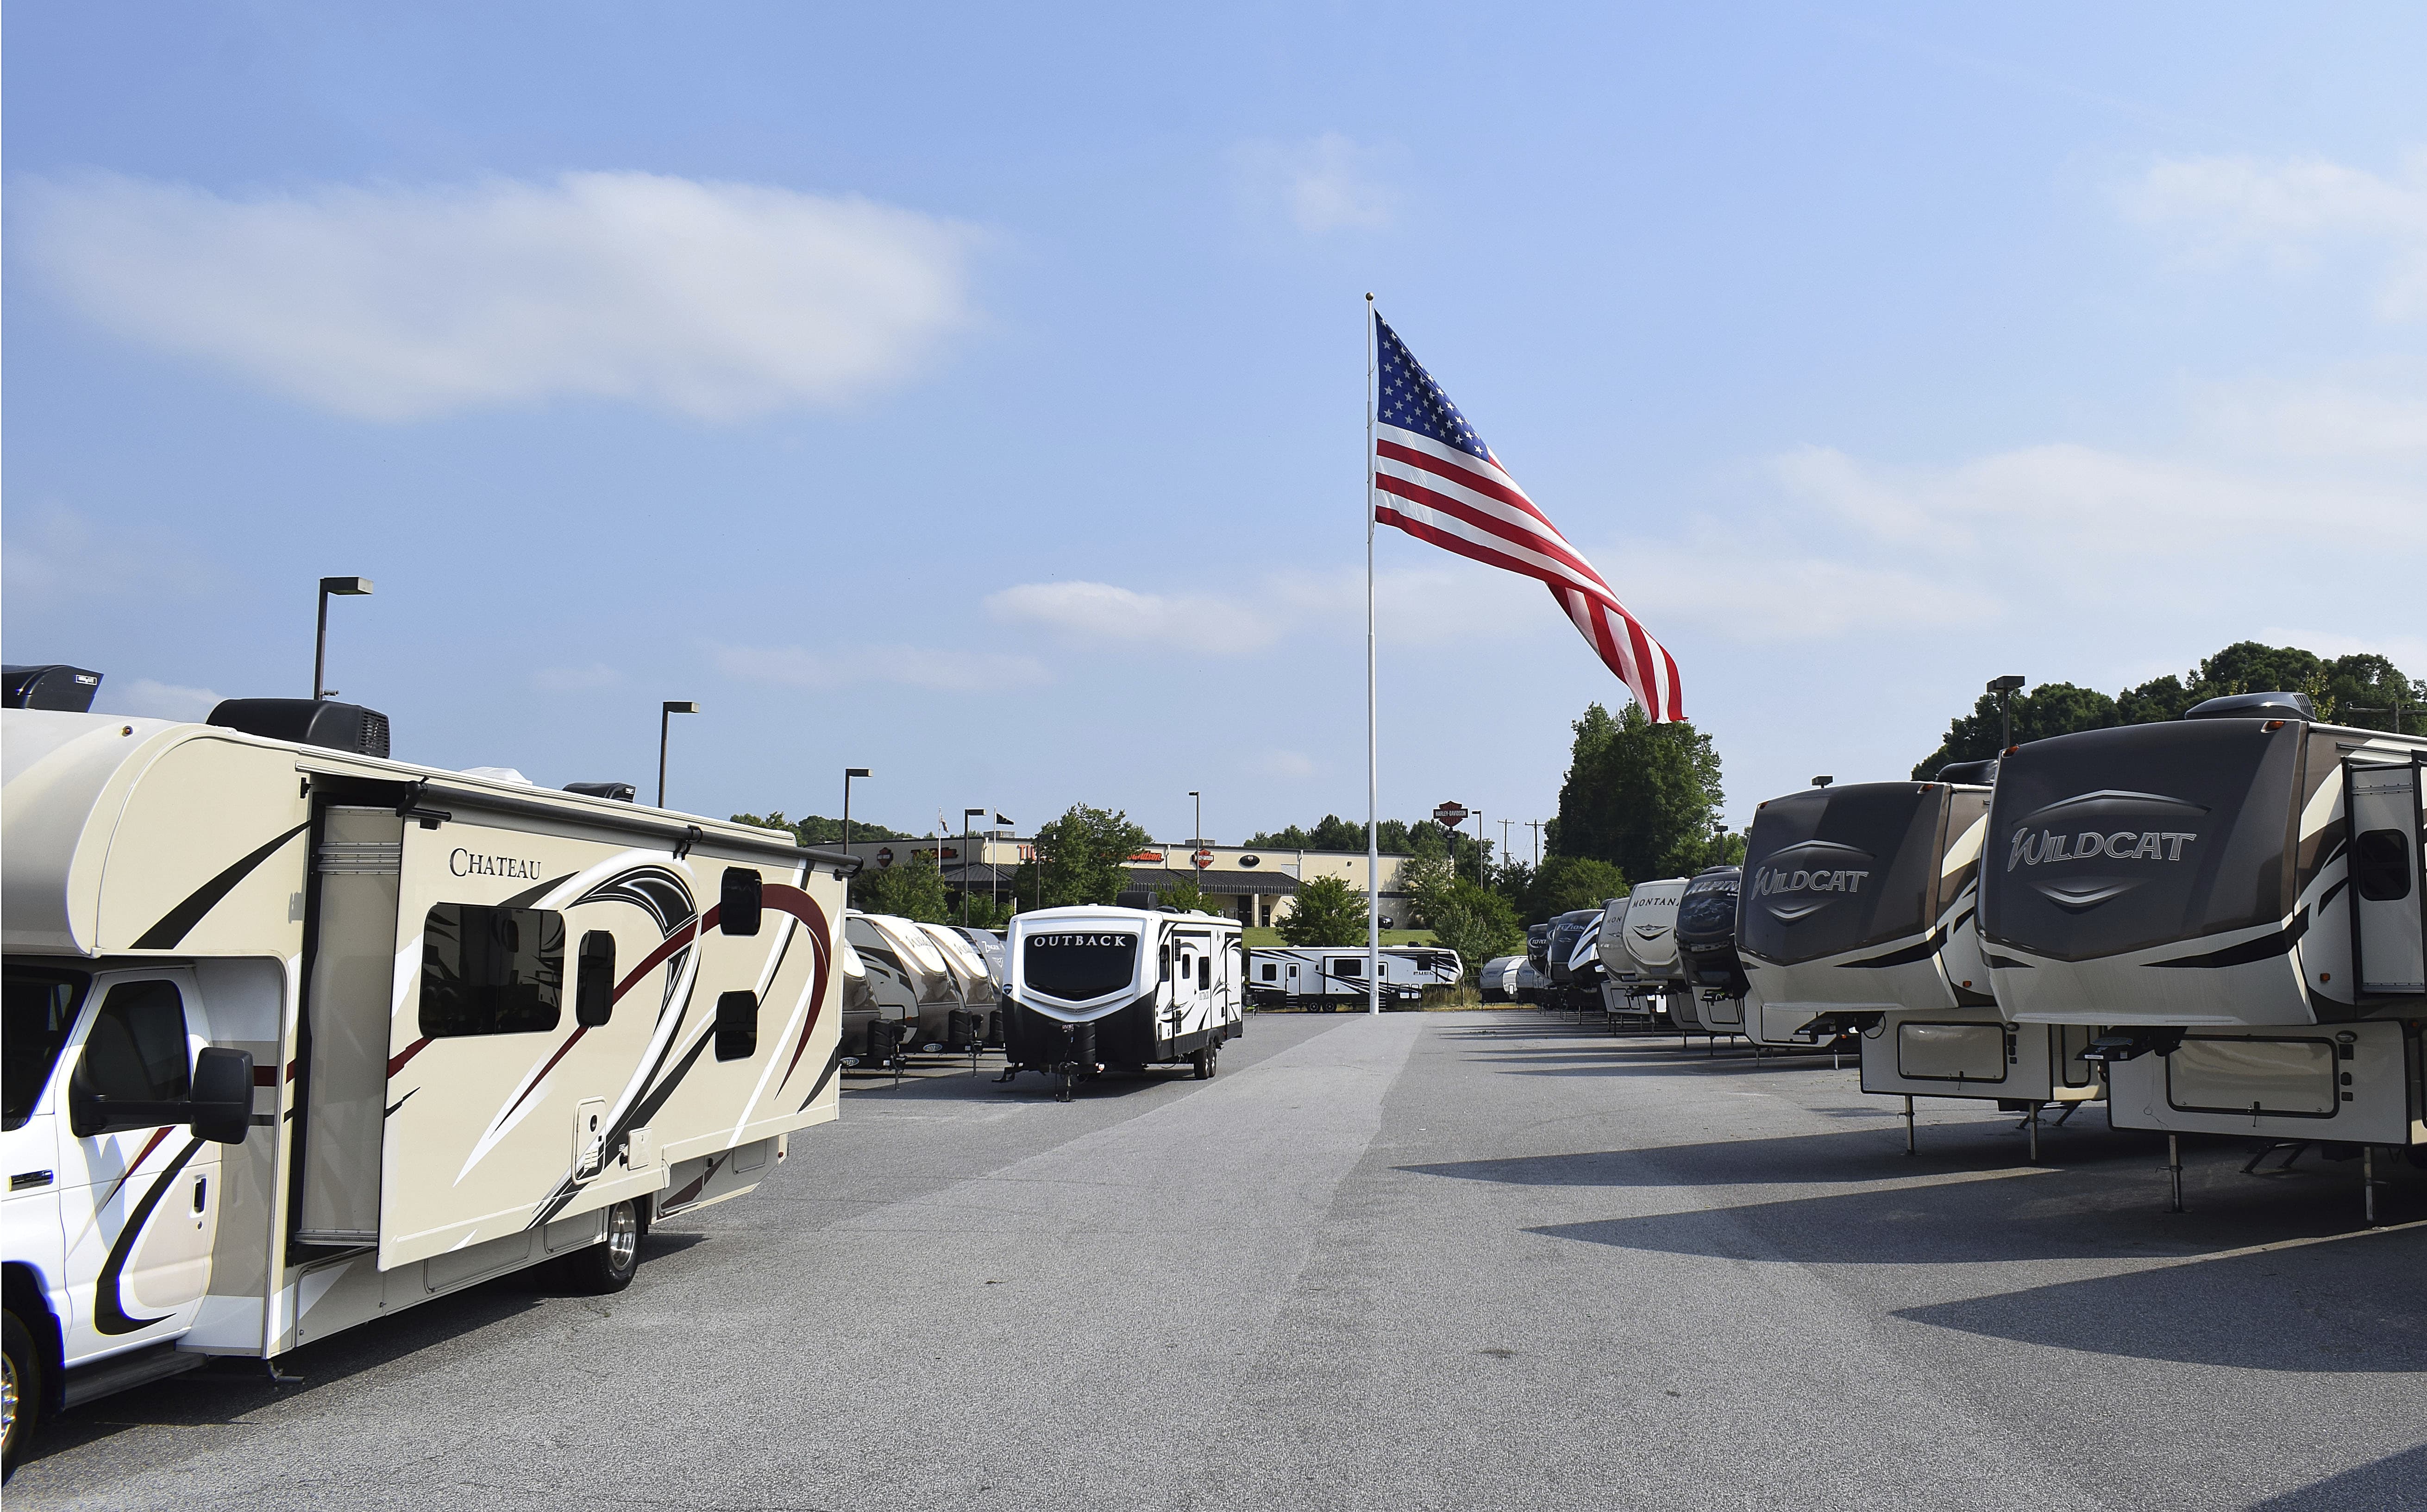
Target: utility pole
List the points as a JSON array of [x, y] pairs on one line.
[[1536, 825]]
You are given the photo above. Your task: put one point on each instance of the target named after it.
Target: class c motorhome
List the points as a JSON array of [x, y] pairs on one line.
[[2233, 900], [299, 1036], [1093, 988], [1861, 918]]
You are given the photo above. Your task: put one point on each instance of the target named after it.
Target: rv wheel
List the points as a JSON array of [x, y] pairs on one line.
[[20, 1393], [1204, 1059], [608, 1266]]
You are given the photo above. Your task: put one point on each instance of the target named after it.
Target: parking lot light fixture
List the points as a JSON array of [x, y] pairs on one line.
[[666, 717]]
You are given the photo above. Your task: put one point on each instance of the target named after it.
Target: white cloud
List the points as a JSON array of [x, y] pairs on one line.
[[1094, 613], [2286, 210], [1286, 765], [57, 555], [1325, 185], [576, 679], [147, 699], [2326, 420], [716, 300], [1775, 598], [904, 665]]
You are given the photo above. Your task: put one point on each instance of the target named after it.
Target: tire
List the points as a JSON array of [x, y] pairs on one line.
[[1204, 1060], [609, 1266], [23, 1394]]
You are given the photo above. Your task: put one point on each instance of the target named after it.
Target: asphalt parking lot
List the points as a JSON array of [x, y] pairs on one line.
[[1450, 1260]]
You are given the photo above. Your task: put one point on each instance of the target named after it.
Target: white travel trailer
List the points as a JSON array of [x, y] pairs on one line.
[[1861, 918], [298, 1037], [1324, 979], [963, 1027], [1098, 987], [2237, 891], [1498, 979]]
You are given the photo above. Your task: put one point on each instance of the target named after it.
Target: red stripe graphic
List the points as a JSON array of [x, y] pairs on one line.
[[134, 1164]]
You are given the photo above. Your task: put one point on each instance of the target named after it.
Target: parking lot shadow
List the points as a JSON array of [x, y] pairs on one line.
[[2334, 1306], [2396, 1480], [2040, 1214], [1838, 1156]]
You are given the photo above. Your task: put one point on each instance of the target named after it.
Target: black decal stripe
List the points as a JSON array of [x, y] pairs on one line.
[[834, 1063], [2005, 962], [2265, 948], [108, 1307], [637, 1118], [531, 895], [175, 924], [399, 1103], [1921, 950]]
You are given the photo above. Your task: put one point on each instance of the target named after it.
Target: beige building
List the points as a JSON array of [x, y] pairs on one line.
[[1257, 884]]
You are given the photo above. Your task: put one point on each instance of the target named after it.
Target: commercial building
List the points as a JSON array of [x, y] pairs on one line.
[[1256, 886]]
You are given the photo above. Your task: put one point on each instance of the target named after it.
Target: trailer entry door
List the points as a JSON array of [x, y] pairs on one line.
[[2387, 926]]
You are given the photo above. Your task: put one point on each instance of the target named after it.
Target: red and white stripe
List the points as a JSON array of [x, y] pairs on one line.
[[1467, 504]]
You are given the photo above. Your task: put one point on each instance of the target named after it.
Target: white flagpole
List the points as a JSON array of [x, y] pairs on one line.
[[1373, 759]]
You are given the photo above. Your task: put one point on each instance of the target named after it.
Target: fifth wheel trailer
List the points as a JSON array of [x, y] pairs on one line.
[[1092, 988], [1861, 918], [2233, 900], [299, 1036]]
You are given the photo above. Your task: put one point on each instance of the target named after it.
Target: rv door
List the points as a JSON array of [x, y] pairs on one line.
[[2390, 934]]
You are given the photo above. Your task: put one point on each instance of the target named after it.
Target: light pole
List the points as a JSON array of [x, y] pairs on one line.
[[1479, 849], [967, 814], [666, 713], [2004, 687], [349, 588], [849, 773], [1196, 841]]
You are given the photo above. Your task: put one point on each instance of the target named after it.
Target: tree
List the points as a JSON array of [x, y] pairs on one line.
[[913, 890], [815, 829], [1083, 856], [1324, 913], [1189, 895], [1567, 882], [1642, 797], [1474, 921], [2051, 708]]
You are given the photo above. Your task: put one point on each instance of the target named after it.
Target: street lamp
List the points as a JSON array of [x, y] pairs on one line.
[[2004, 687], [967, 814], [1196, 841], [849, 773], [346, 586], [666, 717]]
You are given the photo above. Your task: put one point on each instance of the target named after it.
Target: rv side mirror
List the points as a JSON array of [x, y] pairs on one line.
[[740, 901], [220, 1109], [737, 1026]]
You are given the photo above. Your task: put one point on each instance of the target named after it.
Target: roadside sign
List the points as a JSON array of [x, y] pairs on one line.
[[1450, 815], [885, 857]]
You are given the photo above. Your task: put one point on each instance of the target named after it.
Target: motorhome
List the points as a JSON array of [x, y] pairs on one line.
[[1324, 979], [2232, 899], [1706, 949], [1861, 918], [1094, 988], [299, 1036]]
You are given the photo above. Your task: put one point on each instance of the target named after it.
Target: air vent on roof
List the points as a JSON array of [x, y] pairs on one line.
[[1972, 773], [2257, 706], [623, 792], [335, 726], [68, 689]]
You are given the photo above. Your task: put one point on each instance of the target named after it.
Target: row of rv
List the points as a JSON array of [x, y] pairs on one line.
[[299, 1036], [2214, 924]]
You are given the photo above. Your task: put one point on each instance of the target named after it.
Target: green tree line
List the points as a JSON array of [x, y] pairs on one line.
[[2362, 690]]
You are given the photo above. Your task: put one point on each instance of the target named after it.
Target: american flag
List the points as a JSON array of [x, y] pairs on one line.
[[1441, 483]]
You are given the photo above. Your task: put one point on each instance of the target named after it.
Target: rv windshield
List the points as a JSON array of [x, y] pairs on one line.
[[2115, 841], [1078, 964], [1837, 868], [40, 1008]]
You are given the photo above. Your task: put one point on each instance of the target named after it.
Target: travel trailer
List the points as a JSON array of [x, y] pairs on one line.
[[989, 947], [2232, 901], [1706, 949], [299, 1036], [963, 1027], [1565, 931], [1527, 985], [1497, 981], [1094, 988], [1324, 979], [1861, 918], [909, 980]]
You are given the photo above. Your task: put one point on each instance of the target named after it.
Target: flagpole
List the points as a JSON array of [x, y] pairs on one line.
[[1373, 707]]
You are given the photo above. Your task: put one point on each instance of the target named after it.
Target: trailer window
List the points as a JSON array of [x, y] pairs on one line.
[[1272, 973], [40, 1009], [1077, 966], [737, 1026], [593, 983], [1205, 971], [136, 1050], [491, 971]]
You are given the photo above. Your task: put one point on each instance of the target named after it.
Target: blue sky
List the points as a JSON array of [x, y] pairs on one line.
[[976, 396]]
